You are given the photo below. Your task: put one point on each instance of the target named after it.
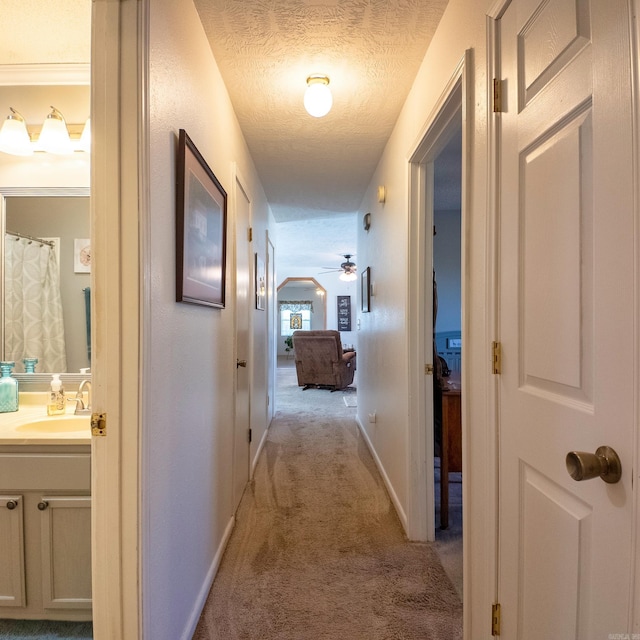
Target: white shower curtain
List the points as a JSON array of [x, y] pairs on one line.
[[34, 326]]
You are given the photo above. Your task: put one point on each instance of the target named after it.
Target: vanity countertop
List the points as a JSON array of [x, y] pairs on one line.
[[31, 424]]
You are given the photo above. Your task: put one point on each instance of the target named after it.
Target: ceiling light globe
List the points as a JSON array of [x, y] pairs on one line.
[[347, 277], [317, 98], [14, 137]]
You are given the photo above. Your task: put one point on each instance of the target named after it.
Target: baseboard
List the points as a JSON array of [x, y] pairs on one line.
[[387, 483], [198, 606], [254, 462]]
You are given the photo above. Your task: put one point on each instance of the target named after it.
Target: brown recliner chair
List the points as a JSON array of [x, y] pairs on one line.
[[320, 360]]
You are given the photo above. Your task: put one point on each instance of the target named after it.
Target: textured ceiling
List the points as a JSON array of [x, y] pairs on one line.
[[370, 50], [43, 31]]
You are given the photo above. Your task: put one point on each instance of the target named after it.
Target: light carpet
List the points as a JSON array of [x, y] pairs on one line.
[[318, 551]]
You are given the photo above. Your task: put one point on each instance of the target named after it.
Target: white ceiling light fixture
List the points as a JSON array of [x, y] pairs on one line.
[[14, 137], [317, 98], [85, 139], [348, 277], [54, 137]]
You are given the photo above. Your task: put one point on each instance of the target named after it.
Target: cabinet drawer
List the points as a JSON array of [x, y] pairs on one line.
[[50, 472]]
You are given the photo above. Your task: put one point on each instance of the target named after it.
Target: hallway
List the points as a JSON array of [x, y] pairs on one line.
[[318, 551]]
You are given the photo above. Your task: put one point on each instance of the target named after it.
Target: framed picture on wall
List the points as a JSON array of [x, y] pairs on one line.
[[365, 290], [260, 283], [201, 229]]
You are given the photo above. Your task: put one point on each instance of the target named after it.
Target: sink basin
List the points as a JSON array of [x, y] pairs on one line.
[[63, 424]]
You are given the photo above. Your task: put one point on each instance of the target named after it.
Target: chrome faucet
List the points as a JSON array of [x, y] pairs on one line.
[[82, 409]]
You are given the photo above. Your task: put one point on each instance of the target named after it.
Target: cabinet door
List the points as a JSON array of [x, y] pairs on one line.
[[66, 552], [12, 582]]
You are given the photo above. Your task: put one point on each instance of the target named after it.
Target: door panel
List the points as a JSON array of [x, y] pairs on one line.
[[566, 316], [243, 337]]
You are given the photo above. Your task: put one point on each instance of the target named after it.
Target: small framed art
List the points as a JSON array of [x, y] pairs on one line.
[[365, 290]]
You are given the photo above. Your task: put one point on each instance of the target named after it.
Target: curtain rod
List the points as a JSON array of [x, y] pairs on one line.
[[32, 238]]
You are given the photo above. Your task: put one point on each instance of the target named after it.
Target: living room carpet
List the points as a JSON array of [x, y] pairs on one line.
[[318, 551]]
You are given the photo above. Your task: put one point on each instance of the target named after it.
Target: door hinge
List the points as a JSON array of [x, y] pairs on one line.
[[495, 619], [496, 357], [250, 234], [98, 424], [249, 435], [428, 369], [497, 95]]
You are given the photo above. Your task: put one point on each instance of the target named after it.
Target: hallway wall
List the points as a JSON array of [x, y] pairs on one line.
[[384, 348], [188, 414]]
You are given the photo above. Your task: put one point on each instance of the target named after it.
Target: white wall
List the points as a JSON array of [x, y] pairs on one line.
[[446, 262], [383, 348], [189, 387]]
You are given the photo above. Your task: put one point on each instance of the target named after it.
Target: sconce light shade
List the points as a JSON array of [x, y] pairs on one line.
[[14, 137], [54, 137], [85, 139], [317, 98]]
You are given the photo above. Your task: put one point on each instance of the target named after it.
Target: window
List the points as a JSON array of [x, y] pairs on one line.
[[291, 321], [294, 315]]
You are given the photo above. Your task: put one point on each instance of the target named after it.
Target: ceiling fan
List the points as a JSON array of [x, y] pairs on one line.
[[347, 269]]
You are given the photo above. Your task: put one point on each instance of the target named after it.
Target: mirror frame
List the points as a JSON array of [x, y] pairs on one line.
[[287, 281], [33, 380]]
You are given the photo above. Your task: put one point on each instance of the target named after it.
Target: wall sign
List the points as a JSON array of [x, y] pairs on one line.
[[344, 313]]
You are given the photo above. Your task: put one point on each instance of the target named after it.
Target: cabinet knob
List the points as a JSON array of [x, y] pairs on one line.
[[43, 505], [12, 504]]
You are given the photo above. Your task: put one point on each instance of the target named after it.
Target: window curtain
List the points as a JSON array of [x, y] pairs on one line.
[[296, 305], [34, 325]]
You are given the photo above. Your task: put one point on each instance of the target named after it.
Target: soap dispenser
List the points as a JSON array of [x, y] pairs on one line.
[[8, 388], [57, 400]]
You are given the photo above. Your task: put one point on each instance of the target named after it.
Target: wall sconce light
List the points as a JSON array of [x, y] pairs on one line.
[[317, 98], [320, 292], [85, 138], [54, 137], [14, 137], [382, 193]]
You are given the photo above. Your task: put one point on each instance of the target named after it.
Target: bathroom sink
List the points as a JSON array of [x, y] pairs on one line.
[[64, 424]]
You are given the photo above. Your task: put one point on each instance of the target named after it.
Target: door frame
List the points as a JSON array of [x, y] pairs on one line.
[[454, 99], [119, 207]]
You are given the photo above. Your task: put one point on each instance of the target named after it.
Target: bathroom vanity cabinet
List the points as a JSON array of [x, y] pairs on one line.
[[45, 532]]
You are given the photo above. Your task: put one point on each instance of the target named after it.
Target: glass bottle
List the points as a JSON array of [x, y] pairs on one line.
[[8, 388], [30, 364]]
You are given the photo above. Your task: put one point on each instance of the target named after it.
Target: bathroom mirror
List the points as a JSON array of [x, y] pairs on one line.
[[59, 216]]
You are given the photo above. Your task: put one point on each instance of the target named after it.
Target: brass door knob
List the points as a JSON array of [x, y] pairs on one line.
[[604, 463]]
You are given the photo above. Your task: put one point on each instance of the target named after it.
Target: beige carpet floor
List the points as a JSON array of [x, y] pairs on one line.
[[318, 552]]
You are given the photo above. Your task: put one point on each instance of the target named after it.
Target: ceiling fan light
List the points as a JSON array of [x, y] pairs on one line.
[[14, 137], [317, 98], [347, 277], [54, 137]]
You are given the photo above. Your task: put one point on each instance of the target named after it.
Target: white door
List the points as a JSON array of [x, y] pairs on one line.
[[243, 337], [566, 317]]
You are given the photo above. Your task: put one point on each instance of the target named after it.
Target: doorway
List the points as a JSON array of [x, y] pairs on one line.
[[437, 173]]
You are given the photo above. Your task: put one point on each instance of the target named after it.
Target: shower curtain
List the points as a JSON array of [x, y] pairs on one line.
[[33, 320]]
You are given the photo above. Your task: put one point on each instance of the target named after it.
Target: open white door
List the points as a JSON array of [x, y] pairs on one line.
[[567, 316], [241, 448]]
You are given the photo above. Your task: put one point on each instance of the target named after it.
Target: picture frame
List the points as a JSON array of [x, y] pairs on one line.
[[201, 229], [365, 290], [344, 313], [260, 283]]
